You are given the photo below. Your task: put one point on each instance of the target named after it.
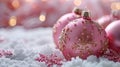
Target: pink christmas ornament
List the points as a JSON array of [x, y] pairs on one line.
[[82, 37], [63, 21], [113, 33], [107, 19]]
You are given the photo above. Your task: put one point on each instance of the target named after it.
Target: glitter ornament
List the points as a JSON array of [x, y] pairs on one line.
[[82, 37], [63, 21]]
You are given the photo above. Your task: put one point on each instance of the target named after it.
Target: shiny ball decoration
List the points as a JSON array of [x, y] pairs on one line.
[[83, 37], [113, 33], [104, 21], [63, 21]]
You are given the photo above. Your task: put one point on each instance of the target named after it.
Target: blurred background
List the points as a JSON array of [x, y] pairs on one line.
[[26, 29], [31, 14]]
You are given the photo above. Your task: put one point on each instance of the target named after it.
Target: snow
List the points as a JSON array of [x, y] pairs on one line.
[[91, 61], [27, 44]]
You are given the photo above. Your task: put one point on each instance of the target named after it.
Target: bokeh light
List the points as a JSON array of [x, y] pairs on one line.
[[13, 21], [77, 2], [42, 17], [15, 4], [43, 0], [115, 6]]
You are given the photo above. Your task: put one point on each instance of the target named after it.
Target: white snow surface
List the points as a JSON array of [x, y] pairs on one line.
[[27, 44]]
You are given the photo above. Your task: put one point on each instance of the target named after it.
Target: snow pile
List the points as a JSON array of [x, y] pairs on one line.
[[27, 44], [91, 61]]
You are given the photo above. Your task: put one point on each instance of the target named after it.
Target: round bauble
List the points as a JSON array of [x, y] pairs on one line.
[[113, 33], [63, 21], [82, 37], [107, 19]]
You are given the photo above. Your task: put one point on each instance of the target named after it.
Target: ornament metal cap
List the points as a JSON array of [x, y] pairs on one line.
[[77, 11], [86, 14], [115, 13]]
